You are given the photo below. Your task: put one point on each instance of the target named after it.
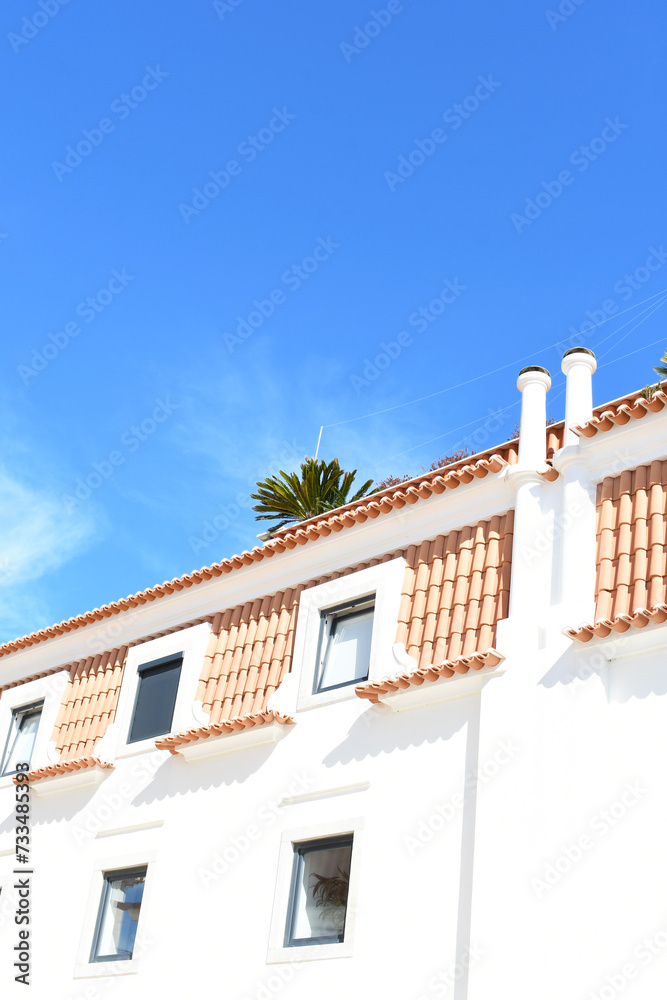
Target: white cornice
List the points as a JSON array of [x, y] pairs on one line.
[[87, 777], [443, 689], [213, 746], [620, 645], [636, 443]]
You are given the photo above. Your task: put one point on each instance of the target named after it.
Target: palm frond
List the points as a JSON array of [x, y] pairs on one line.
[[661, 369], [292, 497]]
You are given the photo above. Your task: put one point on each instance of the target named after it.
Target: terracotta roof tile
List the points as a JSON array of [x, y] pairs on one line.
[[34, 677], [229, 726], [631, 552], [620, 411], [444, 619], [89, 703], [460, 665], [66, 767]]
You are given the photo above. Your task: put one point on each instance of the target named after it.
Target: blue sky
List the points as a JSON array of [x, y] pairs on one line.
[[215, 217]]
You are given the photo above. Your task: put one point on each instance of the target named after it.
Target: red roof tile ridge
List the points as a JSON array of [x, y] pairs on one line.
[[463, 471], [226, 727], [34, 677], [619, 411], [602, 627], [435, 481], [65, 766], [374, 690]]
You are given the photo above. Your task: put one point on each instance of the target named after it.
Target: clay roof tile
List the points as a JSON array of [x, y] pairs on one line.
[[631, 551]]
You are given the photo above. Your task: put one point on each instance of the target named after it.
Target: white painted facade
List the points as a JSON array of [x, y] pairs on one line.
[[509, 824]]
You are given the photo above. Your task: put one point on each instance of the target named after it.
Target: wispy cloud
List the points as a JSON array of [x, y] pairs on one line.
[[36, 537]]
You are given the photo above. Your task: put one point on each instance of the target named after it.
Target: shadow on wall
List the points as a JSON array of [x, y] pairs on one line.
[[621, 679], [380, 730], [52, 809], [151, 778], [177, 776], [637, 679]]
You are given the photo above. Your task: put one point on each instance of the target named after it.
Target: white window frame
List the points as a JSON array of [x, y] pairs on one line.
[[49, 690], [277, 952], [192, 643], [329, 622], [87, 969], [385, 581]]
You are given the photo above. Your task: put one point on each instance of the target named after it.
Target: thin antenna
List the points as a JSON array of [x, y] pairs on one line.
[[317, 450]]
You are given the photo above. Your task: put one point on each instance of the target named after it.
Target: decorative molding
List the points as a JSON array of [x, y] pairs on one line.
[[86, 772], [234, 734]]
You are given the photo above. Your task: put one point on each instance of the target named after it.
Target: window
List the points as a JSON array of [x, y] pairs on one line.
[[28, 714], [318, 896], [345, 645], [21, 738], [113, 940], [317, 893], [158, 693], [118, 916], [156, 698], [345, 634]]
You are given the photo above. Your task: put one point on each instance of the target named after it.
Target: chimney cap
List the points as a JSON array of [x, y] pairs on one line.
[[579, 350], [534, 368]]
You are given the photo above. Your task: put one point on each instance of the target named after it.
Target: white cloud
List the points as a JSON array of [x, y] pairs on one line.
[[36, 531], [37, 536]]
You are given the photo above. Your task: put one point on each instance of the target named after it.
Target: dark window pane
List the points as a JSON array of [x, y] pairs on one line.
[[156, 698], [21, 739], [320, 882], [118, 915]]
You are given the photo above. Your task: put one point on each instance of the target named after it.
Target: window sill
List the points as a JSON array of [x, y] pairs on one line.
[[98, 970], [649, 638], [211, 741], [309, 953], [419, 687], [141, 746], [328, 697], [82, 773]]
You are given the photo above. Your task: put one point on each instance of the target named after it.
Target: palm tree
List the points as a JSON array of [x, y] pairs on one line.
[[293, 497], [662, 369]]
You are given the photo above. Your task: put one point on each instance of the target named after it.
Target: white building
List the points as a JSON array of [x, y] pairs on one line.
[[379, 756]]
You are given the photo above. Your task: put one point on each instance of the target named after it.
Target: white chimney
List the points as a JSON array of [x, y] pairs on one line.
[[578, 366], [533, 383], [576, 539], [530, 572]]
